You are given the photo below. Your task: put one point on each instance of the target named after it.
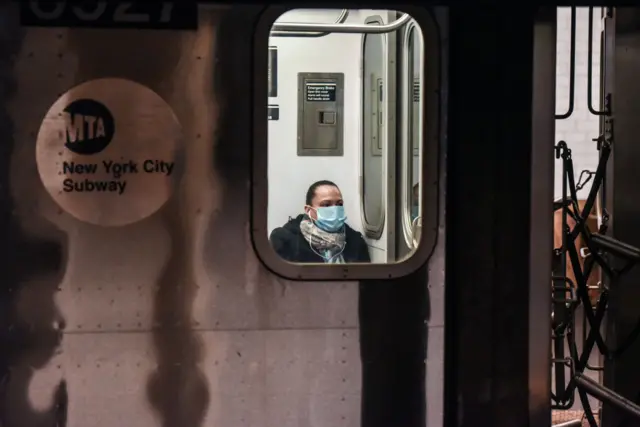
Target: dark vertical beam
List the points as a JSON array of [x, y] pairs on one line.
[[621, 80], [489, 215], [541, 232], [393, 343]]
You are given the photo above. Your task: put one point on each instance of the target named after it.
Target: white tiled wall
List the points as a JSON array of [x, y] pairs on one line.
[[579, 129]]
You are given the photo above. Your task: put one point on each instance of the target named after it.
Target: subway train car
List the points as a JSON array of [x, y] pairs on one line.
[[135, 304], [317, 169]]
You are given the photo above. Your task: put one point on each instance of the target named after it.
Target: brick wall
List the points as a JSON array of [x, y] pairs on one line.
[[579, 129]]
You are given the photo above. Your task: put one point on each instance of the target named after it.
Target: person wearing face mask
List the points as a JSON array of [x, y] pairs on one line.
[[320, 235]]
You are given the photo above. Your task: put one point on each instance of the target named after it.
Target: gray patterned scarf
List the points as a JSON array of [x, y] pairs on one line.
[[328, 245]]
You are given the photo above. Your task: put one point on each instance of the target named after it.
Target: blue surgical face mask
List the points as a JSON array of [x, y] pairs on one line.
[[330, 218], [415, 211]]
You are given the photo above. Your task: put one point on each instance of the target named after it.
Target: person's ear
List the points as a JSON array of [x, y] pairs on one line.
[[309, 211]]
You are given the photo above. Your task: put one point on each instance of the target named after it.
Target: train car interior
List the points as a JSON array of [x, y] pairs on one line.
[[354, 118]]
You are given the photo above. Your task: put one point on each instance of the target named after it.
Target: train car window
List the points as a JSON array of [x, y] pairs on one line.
[[337, 183]]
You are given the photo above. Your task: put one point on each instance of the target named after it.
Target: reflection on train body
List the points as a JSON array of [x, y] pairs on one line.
[[172, 320]]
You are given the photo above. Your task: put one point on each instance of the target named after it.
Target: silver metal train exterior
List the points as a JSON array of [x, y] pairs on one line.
[[173, 320]]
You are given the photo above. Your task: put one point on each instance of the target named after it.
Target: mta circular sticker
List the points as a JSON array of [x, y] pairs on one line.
[[107, 152]]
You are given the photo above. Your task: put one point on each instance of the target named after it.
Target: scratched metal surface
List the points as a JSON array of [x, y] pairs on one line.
[[171, 321]]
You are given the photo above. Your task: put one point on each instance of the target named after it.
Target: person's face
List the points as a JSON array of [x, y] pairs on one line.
[[416, 195], [326, 195]]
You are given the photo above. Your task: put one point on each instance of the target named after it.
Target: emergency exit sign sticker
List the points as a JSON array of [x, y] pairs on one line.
[[107, 152]]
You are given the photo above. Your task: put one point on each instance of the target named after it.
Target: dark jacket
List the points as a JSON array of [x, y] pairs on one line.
[[291, 245]]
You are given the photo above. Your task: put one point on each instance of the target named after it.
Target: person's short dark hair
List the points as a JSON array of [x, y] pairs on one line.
[[311, 192]]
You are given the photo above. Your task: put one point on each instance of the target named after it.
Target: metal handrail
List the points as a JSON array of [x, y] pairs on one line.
[[416, 225], [605, 111], [599, 210], [343, 28], [341, 20], [573, 423], [572, 69], [408, 226]]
